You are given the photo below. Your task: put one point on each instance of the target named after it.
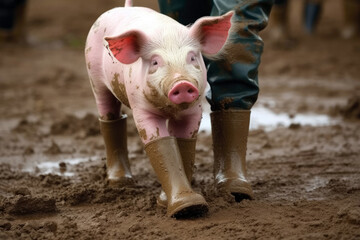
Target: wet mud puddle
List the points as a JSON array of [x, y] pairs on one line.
[[63, 167], [264, 118], [261, 118]]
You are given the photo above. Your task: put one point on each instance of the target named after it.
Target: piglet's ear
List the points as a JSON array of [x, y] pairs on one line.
[[212, 32], [126, 47]]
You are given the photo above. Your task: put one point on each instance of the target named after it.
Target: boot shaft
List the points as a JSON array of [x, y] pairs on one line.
[[230, 130], [115, 135], [187, 148], [115, 139], [166, 160]]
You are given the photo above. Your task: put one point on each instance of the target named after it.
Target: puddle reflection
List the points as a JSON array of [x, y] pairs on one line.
[[264, 118], [261, 118], [64, 167]]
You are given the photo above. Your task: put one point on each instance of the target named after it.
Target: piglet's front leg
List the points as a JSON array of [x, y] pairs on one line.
[[149, 125], [187, 125]]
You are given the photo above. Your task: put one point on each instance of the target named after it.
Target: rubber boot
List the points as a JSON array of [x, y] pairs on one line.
[[187, 151], [117, 162], [229, 132], [165, 158]]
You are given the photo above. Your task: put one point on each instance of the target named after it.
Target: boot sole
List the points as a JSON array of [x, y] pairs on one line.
[[241, 196], [121, 182], [239, 192], [192, 211]]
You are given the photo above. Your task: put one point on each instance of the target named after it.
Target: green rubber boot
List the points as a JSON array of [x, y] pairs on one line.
[[229, 132]]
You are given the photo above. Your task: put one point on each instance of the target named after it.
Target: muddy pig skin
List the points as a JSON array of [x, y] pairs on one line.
[[153, 65]]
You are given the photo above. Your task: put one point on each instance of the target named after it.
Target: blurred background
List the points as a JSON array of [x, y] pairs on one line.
[[35, 19]]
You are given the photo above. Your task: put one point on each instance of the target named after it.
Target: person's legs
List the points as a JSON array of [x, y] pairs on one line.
[[13, 20], [234, 78], [312, 12], [234, 90]]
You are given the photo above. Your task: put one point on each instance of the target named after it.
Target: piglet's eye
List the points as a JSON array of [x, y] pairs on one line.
[[192, 58], [155, 62]]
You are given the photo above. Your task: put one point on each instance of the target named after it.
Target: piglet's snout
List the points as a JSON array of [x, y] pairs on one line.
[[183, 92]]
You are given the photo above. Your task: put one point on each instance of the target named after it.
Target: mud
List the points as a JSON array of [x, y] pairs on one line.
[[306, 179]]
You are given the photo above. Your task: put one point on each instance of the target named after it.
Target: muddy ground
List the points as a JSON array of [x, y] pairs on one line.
[[306, 178]]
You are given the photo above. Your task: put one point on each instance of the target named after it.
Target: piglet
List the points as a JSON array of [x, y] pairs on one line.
[[149, 62]]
